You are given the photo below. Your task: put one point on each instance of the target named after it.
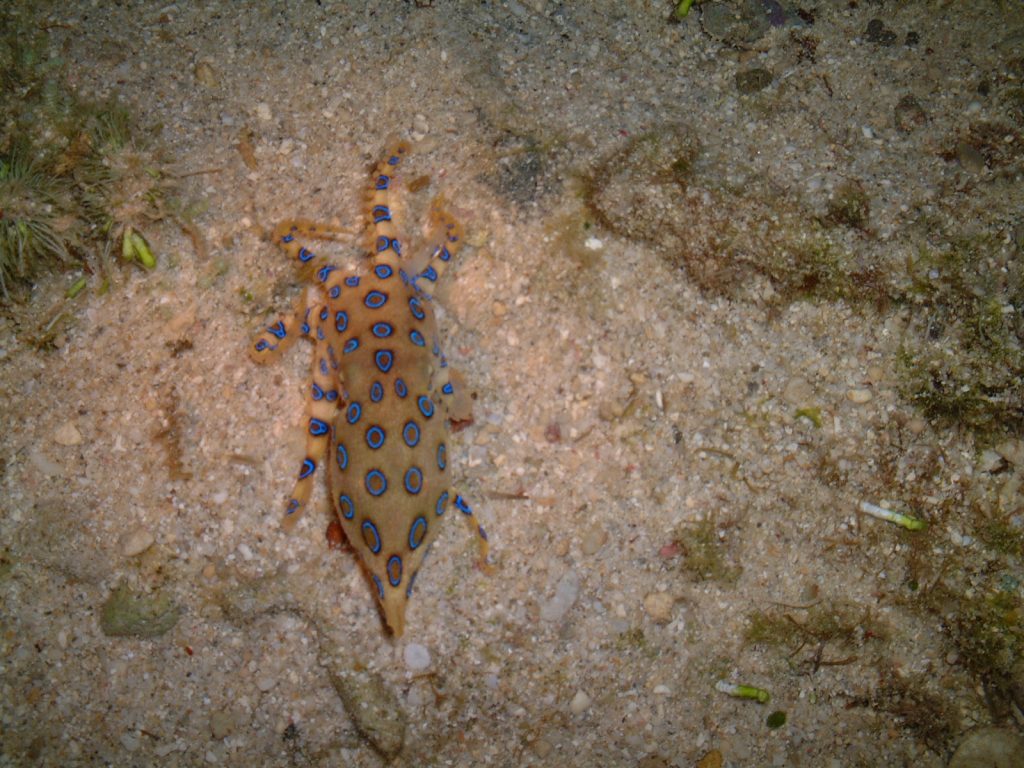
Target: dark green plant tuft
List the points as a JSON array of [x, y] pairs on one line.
[[37, 221]]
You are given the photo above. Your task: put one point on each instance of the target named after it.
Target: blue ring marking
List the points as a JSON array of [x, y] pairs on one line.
[[320, 334], [417, 338], [426, 406], [375, 299], [342, 457], [483, 534], [375, 437], [323, 366], [411, 434], [400, 389], [442, 502], [461, 505], [383, 271], [417, 308], [278, 329], [442, 456], [444, 254], [335, 291], [350, 346], [382, 330], [324, 312], [448, 389], [436, 348], [376, 392], [292, 508], [381, 213], [394, 570], [405, 277], [324, 272], [380, 587], [306, 255], [305, 325], [384, 359], [308, 468], [332, 356], [346, 507], [341, 321], [383, 243], [331, 395], [287, 238], [369, 529], [414, 480], [352, 281], [394, 160], [429, 273], [382, 181], [355, 410], [318, 428], [318, 392], [417, 531], [263, 345], [376, 483], [396, 246]]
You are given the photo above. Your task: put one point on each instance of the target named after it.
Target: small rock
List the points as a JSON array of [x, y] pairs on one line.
[[220, 724], [417, 657], [1012, 451], [859, 396], [736, 24], [263, 112], [566, 592], [371, 704], [136, 542], [580, 703], [970, 158], [127, 613], [990, 747], [798, 392], [593, 540], [753, 80], [67, 434], [909, 114], [266, 683], [876, 32], [658, 606], [541, 748], [205, 74]]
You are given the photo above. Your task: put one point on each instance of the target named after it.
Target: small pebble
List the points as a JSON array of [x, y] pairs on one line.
[[136, 541], [658, 606], [541, 748], [220, 724], [205, 74], [593, 540], [67, 434], [859, 396], [417, 657], [580, 703], [266, 683], [970, 159], [263, 112], [566, 592]]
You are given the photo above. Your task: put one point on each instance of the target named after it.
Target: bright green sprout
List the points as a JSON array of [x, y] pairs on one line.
[[682, 9], [76, 288], [760, 695], [906, 521], [135, 248]]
